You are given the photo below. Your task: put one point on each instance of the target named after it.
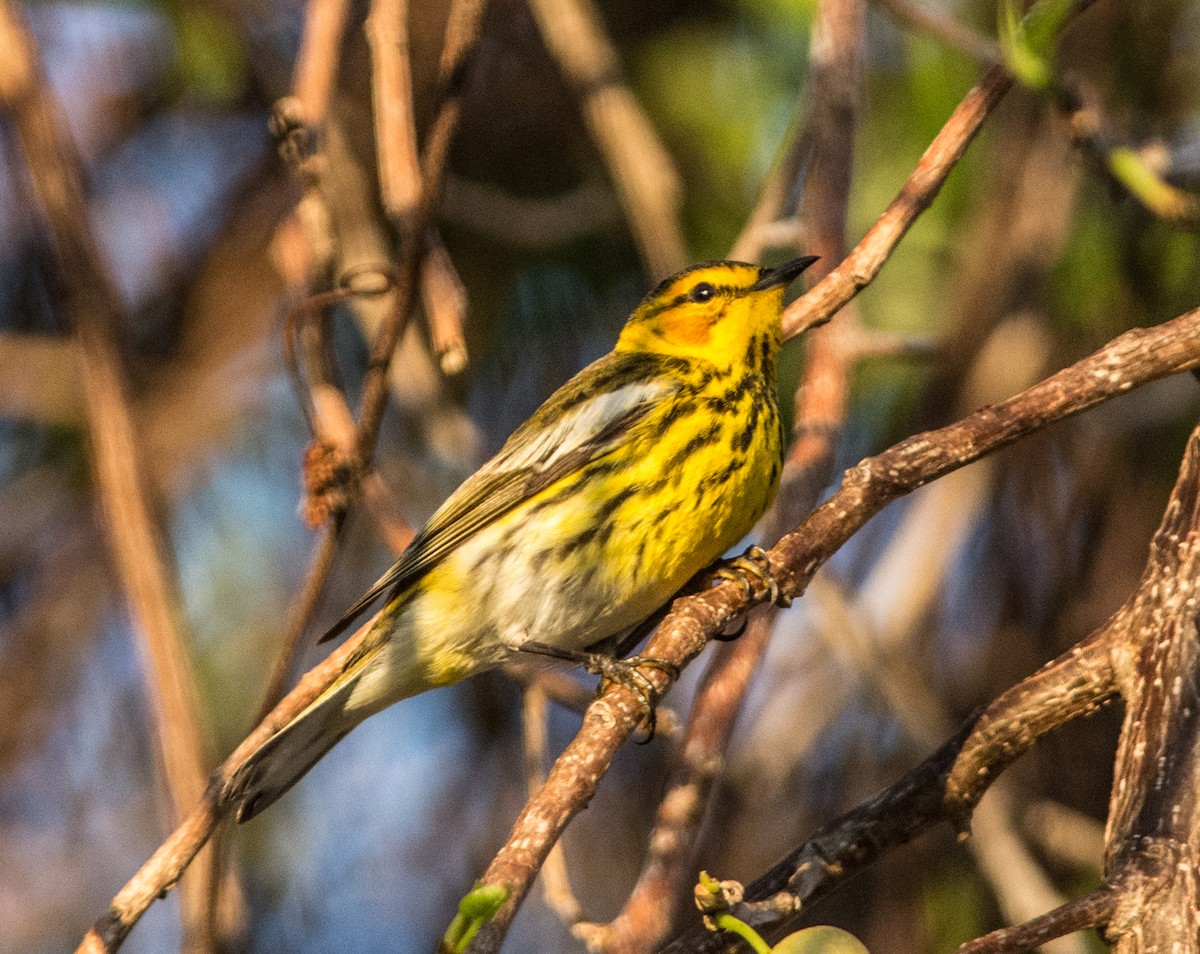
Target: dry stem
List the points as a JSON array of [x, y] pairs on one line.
[[94, 311]]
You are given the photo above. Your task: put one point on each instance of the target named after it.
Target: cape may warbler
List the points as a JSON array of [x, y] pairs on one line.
[[635, 475]]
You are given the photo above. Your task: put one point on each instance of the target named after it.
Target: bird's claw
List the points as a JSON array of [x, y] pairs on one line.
[[625, 672], [751, 568]]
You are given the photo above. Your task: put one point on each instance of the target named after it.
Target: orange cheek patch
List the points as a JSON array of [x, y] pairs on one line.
[[684, 328]]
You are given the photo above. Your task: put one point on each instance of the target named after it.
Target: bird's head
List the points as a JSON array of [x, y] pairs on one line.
[[714, 311]]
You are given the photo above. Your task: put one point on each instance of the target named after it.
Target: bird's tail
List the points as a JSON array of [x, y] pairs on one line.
[[280, 762]]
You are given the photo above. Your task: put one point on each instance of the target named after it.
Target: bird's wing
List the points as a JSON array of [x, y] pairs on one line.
[[584, 420]]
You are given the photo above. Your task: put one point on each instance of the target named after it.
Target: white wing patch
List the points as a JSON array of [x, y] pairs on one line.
[[579, 426]]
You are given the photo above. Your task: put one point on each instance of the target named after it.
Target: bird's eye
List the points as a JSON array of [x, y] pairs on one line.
[[702, 292]]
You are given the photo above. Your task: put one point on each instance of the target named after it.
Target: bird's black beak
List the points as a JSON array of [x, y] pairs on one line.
[[783, 274]]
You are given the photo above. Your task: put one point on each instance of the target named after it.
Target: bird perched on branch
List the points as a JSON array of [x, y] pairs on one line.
[[634, 476]]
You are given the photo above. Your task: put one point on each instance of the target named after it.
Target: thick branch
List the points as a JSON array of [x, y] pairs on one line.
[[1153, 837], [1149, 649]]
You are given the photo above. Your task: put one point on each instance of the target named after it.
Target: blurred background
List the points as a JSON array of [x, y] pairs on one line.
[[1030, 258]]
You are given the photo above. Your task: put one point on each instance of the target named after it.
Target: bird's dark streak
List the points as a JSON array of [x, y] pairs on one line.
[[602, 468], [675, 413], [578, 542], [745, 437], [703, 378], [745, 384], [766, 352], [656, 487], [589, 574], [539, 561], [715, 481], [705, 437], [752, 352], [653, 311], [608, 509], [641, 550], [719, 403]]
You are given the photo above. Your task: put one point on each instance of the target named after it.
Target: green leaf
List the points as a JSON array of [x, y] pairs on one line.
[[476, 908], [1029, 43], [1143, 183]]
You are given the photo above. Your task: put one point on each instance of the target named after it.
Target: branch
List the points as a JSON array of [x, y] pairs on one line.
[[1089, 911], [392, 95], [315, 75], [944, 28], [164, 868], [462, 35], [462, 32], [442, 293], [859, 269], [862, 265], [556, 881], [1152, 845]]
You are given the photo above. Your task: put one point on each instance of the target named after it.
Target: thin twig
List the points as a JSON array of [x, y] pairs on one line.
[[299, 122], [303, 607], [162, 871], [861, 266], [1089, 911], [461, 36], [462, 33], [442, 293], [556, 882], [392, 95], [315, 76], [1021, 886], [444, 300]]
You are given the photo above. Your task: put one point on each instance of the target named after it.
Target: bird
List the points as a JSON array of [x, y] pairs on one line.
[[631, 479]]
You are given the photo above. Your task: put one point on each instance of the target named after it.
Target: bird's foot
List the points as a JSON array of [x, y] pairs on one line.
[[751, 570], [626, 672]]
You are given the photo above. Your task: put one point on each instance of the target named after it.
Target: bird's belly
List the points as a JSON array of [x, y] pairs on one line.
[[574, 568]]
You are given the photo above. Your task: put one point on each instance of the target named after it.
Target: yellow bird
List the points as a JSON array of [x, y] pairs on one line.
[[635, 475]]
